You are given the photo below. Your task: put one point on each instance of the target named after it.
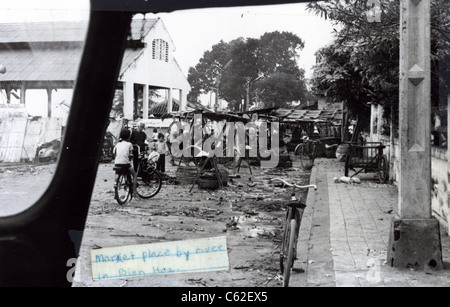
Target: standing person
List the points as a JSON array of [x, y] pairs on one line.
[[122, 152], [155, 135], [161, 148], [138, 137], [171, 138]]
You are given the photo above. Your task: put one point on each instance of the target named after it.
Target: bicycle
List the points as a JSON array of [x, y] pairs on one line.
[[149, 181], [294, 214], [307, 151]]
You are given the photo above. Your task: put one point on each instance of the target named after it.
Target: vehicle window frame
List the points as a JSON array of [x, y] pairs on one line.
[[36, 244]]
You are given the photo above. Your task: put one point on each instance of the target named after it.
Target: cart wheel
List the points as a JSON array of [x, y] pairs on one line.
[[383, 169]]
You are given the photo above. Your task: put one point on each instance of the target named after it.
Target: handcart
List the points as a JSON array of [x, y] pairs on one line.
[[368, 158]]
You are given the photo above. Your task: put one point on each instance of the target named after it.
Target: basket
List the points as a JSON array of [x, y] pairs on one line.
[[208, 182], [186, 174]]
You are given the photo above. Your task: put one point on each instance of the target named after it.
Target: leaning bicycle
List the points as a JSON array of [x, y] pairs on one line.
[[149, 181], [294, 214], [307, 152]]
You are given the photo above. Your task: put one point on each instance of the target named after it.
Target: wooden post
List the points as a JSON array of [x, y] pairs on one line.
[[8, 94], [415, 236], [22, 94]]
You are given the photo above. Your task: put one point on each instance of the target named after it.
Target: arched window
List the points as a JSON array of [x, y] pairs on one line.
[[160, 50]]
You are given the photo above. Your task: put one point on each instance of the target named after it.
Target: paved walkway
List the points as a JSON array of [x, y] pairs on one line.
[[345, 232]]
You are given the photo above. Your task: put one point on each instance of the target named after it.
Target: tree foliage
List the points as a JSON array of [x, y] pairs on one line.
[[270, 62], [362, 65]]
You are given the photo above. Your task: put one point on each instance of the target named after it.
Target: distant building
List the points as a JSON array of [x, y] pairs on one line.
[[46, 55]]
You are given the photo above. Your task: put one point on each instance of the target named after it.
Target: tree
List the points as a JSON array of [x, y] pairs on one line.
[[362, 65], [270, 63]]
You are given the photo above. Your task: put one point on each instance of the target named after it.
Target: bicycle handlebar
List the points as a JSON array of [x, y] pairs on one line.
[[295, 185]]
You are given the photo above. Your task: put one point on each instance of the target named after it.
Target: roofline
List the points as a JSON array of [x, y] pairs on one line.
[[131, 63], [168, 33]]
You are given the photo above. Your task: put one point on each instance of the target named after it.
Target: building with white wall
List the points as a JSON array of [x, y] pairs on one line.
[[45, 56]]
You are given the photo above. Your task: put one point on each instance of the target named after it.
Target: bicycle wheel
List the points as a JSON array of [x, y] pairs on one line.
[[290, 253], [383, 169], [122, 189], [285, 241], [149, 184]]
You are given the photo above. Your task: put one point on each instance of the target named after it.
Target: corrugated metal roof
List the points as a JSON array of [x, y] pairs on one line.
[[65, 31], [60, 62], [161, 108], [141, 27], [288, 115], [43, 32], [49, 64]]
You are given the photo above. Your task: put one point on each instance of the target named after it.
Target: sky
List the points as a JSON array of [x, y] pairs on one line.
[[196, 31]]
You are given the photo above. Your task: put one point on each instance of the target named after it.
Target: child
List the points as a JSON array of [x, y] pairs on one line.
[[123, 152], [161, 148]]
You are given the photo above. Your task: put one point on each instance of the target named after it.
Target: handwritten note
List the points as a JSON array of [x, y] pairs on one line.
[[198, 255]]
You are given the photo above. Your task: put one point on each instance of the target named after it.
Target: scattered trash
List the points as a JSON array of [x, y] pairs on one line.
[[241, 267], [349, 180]]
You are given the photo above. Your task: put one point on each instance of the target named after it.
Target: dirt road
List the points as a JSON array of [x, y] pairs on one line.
[[247, 212]]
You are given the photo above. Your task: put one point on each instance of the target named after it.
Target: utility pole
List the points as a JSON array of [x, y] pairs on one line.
[[247, 88], [415, 235], [248, 81], [219, 76]]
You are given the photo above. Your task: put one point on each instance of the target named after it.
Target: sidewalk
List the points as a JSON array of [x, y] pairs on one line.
[[345, 233]]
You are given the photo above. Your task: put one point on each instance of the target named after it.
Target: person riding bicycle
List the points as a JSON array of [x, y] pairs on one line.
[[123, 153]]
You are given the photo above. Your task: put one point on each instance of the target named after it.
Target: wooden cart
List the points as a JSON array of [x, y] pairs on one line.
[[368, 158]]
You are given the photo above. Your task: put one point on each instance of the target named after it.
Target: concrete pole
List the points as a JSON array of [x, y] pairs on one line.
[[380, 112], [49, 102], [247, 98], [128, 100], [216, 103], [415, 236], [145, 102], [373, 117], [169, 100], [183, 100]]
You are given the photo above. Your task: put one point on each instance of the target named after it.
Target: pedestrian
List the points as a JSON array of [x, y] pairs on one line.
[[171, 138], [161, 148], [123, 153], [138, 138], [155, 135]]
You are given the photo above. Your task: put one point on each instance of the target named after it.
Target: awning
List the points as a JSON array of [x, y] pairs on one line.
[[316, 116]]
